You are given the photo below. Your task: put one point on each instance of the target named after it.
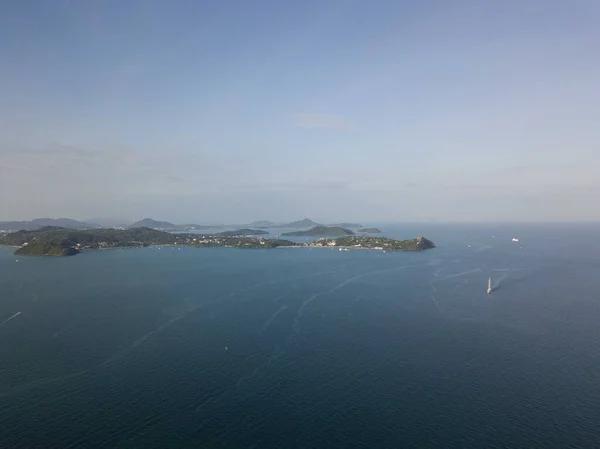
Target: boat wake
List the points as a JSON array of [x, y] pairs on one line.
[[433, 296], [437, 278], [306, 302], [192, 308], [145, 337], [270, 320], [452, 276], [10, 318], [508, 274]]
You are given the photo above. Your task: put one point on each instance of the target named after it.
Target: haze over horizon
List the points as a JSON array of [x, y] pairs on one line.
[[339, 110]]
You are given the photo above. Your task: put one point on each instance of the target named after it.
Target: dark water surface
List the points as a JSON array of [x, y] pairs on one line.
[[304, 348]]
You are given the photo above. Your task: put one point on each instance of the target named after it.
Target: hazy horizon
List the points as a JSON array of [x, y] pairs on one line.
[[116, 222], [338, 111]]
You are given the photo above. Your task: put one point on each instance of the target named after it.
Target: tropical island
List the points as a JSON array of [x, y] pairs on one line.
[[51, 240], [381, 243], [57, 241], [370, 230], [262, 224], [167, 226], [304, 223], [346, 225], [46, 249], [320, 231]]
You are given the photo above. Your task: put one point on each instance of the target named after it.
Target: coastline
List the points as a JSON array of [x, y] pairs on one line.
[[69, 244], [343, 248]]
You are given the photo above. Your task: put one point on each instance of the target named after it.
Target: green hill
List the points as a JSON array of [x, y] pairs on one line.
[[346, 225], [262, 224], [38, 223], [152, 224], [46, 249], [383, 243], [321, 231], [304, 223]]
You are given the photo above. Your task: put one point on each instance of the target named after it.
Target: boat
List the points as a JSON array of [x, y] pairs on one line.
[[489, 286], [515, 239]]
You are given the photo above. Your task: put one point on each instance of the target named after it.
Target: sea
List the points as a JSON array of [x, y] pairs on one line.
[[308, 348]]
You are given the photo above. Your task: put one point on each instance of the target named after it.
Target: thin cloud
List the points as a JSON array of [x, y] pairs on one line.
[[322, 121]]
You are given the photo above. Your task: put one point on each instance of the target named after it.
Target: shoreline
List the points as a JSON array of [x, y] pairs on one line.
[[342, 248]]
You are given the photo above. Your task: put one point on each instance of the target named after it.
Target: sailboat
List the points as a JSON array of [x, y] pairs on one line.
[[490, 286]]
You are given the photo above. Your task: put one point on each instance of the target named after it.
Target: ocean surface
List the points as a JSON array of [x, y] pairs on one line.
[[308, 348]]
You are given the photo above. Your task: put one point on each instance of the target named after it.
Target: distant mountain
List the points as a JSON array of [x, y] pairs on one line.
[[262, 224], [304, 223], [38, 223], [370, 230], [195, 227], [242, 232], [321, 231], [347, 225], [152, 224], [109, 222]]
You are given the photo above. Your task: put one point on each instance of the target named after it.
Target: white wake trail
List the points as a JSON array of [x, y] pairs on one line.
[[310, 299], [451, 276], [270, 320], [464, 273], [208, 401], [173, 320], [142, 339], [8, 319], [433, 296]]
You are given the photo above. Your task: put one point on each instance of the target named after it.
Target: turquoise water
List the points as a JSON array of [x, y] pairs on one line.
[[307, 347]]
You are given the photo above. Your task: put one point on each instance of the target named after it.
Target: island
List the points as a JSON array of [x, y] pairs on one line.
[[382, 243], [318, 231], [346, 225], [263, 224], [57, 241], [46, 249], [38, 223], [152, 224], [242, 232], [52, 240], [167, 226], [299, 224], [370, 230]]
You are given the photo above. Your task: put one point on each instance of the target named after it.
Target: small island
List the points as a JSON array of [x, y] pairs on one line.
[[346, 225], [299, 224], [57, 241], [262, 224], [370, 230], [170, 227], [319, 231], [381, 243]]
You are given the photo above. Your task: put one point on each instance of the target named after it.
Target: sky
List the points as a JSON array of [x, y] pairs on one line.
[[232, 111]]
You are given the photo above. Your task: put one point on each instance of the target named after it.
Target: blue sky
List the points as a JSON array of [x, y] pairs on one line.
[[337, 110]]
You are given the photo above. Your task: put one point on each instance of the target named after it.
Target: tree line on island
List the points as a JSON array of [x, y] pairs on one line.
[[57, 241]]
